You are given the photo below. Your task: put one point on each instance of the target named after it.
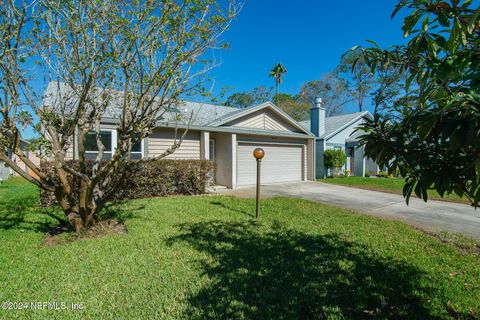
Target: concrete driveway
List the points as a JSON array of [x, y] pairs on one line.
[[432, 216]]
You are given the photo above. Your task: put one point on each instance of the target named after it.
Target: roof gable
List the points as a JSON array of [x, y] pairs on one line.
[[265, 116]]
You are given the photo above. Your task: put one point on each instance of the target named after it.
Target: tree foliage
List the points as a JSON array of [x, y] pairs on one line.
[[334, 158], [277, 72], [246, 99], [293, 106], [358, 75], [333, 90], [134, 57], [434, 143]]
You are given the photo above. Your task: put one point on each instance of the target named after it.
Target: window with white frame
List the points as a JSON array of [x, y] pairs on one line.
[[108, 138], [137, 150]]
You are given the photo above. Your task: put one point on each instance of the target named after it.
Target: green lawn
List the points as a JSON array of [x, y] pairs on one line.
[[204, 257], [393, 185]]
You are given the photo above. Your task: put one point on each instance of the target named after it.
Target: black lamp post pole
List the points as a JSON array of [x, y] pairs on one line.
[[258, 188], [258, 154]]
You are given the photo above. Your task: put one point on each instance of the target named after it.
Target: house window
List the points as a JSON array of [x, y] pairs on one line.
[[91, 147], [137, 150], [212, 149]]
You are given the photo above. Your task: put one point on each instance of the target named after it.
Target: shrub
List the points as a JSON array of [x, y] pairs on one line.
[[383, 174], [150, 178], [334, 159]]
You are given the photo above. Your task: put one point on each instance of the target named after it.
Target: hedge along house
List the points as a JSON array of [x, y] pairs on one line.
[[225, 135], [339, 132]]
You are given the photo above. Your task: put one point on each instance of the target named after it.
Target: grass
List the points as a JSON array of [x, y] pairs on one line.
[[392, 185], [206, 257]]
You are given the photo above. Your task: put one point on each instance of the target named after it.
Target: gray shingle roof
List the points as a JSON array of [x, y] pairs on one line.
[[201, 114], [334, 123]]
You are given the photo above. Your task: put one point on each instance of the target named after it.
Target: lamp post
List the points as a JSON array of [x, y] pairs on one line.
[[258, 153]]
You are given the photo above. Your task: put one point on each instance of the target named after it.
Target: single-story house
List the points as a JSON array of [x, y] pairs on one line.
[[225, 135], [339, 132]]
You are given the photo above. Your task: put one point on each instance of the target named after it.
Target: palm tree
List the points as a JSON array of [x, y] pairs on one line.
[[277, 72]]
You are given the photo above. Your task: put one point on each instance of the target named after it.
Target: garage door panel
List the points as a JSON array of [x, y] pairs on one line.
[[282, 163]]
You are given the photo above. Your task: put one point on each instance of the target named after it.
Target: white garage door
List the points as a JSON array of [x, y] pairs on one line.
[[282, 163]]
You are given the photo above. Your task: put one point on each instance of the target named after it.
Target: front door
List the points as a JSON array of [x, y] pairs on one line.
[[351, 154]]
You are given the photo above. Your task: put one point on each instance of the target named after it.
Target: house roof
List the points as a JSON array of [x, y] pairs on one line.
[[355, 136], [201, 114], [266, 105], [336, 124], [193, 114]]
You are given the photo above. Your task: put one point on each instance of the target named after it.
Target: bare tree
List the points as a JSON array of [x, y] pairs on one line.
[[143, 55], [358, 75], [333, 91]]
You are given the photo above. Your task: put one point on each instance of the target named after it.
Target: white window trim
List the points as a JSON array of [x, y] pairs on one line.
[[114, 141], [142, 149]]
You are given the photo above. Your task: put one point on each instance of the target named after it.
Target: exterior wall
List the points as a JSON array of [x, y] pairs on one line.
[[308, 145], [310, 163], [263, 119], [205, 145], [319, 165], [70, 153], [162, 139], [339, 141], [343, 135], [370, 166], [226, 155], [359, 170], [6, 171], [225, 159]]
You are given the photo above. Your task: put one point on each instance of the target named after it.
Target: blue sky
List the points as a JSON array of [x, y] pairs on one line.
[[308, 37]]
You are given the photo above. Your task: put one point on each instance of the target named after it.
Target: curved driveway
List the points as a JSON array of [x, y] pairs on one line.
[[433, 215]]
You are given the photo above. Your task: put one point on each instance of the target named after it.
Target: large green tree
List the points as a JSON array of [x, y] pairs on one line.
[[246, 99], [435, 142], [354, 70], [136, 57], [294, 106]]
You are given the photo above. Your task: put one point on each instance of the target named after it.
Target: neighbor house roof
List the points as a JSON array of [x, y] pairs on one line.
[[335, 124]]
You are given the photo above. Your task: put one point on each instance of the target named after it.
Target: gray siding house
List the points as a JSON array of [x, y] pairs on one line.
[[225, 135], [338, 132]]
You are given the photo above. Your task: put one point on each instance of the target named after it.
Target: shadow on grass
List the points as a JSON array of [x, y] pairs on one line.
[[285, 274], [21, 211], [223, 205]]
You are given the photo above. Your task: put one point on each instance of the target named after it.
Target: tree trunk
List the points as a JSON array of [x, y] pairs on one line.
[[360, 101]]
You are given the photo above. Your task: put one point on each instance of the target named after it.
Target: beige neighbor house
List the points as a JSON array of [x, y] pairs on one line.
[[6, 171], [225, 135]]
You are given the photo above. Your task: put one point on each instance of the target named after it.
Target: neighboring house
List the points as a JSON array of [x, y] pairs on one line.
[[225, 135], [6, 171], [339, 132]]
